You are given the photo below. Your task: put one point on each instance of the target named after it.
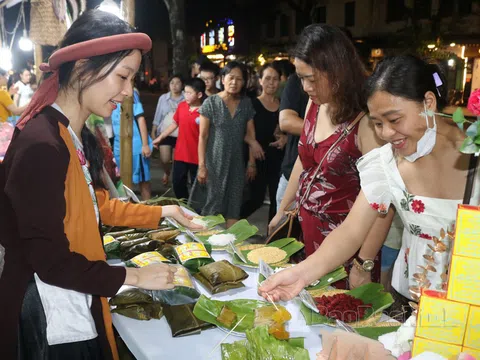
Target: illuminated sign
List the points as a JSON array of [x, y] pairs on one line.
[[221, 35], [211, 37], [211, 48]]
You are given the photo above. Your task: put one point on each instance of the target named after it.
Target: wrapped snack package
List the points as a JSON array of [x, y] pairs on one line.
[[183, 293], [182, 322], [221, 276]]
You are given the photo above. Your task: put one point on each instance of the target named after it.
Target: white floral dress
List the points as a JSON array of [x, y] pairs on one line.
[[423, 217]]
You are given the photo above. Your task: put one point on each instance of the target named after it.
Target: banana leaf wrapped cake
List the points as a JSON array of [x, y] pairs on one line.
[[136, 304], [221, 276]]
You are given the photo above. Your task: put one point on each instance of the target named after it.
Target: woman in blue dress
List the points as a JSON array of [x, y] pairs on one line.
[[141, 146]]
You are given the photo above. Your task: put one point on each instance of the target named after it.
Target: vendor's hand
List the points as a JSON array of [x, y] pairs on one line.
[[202, 174], [158, 140], [280, 143], [152, 277], [146, 152], [284, 285], [251, 172], [257, 151], [274, 222], [358, 278], [175, 212]]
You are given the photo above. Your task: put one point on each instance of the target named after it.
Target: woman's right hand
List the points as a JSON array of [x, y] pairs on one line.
[[202, 174], [152, 277], [274, 222], [283, 286]]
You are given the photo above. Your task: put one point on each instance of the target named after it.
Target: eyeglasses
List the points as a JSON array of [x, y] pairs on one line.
[[208, 78]]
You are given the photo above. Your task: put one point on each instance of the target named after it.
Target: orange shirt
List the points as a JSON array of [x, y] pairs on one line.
[[5, 101]]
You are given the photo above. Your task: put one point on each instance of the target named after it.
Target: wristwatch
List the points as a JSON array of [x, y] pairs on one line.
[[363, 265]]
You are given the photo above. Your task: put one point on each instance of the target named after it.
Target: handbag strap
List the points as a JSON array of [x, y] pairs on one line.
[[344, 134], [472, 169]]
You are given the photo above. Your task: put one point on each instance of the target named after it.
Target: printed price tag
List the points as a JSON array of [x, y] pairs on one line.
[[149, 258], [107, 239], [307, 300], [190, 251], [237, 251]]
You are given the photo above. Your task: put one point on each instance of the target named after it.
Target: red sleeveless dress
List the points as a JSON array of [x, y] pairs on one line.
[[336, 187]]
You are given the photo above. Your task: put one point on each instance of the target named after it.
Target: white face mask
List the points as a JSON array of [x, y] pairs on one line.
[[427, 142]]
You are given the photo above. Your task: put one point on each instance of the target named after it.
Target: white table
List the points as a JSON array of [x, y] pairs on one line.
[[152, 340]]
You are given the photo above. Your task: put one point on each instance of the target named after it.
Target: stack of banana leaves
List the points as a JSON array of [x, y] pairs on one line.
[[126, 244], [136, 304]]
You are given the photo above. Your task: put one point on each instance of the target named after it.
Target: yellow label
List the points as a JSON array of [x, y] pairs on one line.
[[446, 350], [464, 281], [107, 239], [467, 235], [442, 320], [149, 258], [192, 250], [473, 352], [182, 278], [472, 335]]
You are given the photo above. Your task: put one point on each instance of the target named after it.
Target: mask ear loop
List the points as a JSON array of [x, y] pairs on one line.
[[426, 116]]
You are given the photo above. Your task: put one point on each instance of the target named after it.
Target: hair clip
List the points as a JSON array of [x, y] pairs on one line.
[[438, 82]]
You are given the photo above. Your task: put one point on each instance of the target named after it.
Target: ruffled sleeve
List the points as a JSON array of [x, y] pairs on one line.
[[374, 179]]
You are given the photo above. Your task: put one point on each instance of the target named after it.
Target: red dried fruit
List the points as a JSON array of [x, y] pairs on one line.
[[342, 306]]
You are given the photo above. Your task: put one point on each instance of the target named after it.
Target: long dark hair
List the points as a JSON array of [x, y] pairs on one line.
[[327, 49], [408, 77], [92, 24], [94, 155]]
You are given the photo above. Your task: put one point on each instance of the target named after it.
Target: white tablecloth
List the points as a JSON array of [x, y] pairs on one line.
[[152, 340]]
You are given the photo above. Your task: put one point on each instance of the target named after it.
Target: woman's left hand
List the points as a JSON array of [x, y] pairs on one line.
[[175, 212], [251, 172], [358, 278], [146, 152], [257, 151]]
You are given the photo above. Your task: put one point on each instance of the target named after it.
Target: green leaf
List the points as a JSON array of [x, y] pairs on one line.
[[459, 118], [208, 310], [469, 147], [260, 346], [477, 140], [334, 276], [375, 332], [472, 130], [212, 220], [241, 229], [371, 293]]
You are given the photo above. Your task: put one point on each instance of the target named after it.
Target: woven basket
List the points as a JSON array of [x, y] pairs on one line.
[[45, 27], [372, 321]]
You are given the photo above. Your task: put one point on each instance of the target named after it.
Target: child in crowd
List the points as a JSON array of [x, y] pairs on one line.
[[166, 107], [209, 73], [187, 120]]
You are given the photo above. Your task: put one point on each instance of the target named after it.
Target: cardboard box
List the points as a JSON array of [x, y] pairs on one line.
[[467, 233], [446, 350], [442, 320], [472, 333], [464, 280]]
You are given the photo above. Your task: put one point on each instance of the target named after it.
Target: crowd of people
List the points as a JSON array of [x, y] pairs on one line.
[[352, 152]]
